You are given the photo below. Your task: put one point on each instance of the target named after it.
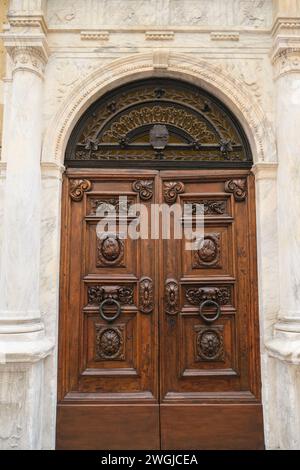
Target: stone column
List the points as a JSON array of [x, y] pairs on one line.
[[285, 345], [267, 255], [23, 345]]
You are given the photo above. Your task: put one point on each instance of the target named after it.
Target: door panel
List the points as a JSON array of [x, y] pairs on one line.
[[178, 368], [212, 427], [105, 362], [209, 340], [110, 427]]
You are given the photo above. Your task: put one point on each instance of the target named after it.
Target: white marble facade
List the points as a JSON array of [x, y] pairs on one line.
[[62, 56]]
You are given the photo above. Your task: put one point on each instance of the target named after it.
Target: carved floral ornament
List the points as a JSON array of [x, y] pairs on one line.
[[109, 343], [171, 191], [238, 188], [78, 187]]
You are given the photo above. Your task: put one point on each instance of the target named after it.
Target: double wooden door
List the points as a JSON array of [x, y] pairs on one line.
[[159, 345]]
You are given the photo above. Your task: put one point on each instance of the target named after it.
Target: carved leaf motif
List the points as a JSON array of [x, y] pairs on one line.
[[171, 297], [208, 207], [112, 205], [238, 188], [198, 295], [96, 294], [78, 188], [146, 295], [192, 125], [171, 191], [144, 188], [125, 295]]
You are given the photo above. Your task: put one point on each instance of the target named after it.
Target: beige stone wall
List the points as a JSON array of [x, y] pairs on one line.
[[3, 11]]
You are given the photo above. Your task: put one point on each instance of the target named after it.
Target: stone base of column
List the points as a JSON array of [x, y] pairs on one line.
[[285, 344], [22, 357], [285, 347]]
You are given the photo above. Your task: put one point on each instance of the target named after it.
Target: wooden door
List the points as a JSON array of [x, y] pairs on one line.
[[108, 374], [179, 366], [210, 374]]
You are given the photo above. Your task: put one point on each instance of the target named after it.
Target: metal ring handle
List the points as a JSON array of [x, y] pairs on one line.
[[204, 317], [101, 310]]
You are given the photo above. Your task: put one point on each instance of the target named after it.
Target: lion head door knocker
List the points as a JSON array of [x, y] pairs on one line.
[[159, 136]]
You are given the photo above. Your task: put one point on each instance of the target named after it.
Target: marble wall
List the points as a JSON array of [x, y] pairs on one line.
[[177, 13], [3, 11]]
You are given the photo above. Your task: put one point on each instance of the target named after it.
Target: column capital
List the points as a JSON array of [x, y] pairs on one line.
[[265, 170], [28, 52], [25, 36], [286, 58], [285, 53]]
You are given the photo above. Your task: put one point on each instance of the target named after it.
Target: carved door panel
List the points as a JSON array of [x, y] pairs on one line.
[[108, 393], [210, 387], [159, 345]]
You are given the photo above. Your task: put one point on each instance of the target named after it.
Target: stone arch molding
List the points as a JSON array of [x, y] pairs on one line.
[[160, 63]]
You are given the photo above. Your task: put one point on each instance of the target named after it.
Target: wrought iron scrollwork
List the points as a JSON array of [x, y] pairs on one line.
[[158, 120]]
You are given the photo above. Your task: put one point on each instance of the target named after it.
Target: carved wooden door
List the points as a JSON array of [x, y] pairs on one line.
[[108, 394], [209, 344], [159, 345]]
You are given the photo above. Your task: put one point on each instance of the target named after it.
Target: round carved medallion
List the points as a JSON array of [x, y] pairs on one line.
[[209, 344], [207, 250], [109, 344], [110, 250]]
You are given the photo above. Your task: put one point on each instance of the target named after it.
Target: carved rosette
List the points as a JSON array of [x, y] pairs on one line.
[[196, 296], [171, 191], [238, 188], [144, 188], [123, 294], [109, 343], [171, 297], [146, 295], [110, 251], [209, 344], [208, 252], [78, 188]]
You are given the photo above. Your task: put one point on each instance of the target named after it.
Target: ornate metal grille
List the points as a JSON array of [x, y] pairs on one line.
[[158, 123]]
